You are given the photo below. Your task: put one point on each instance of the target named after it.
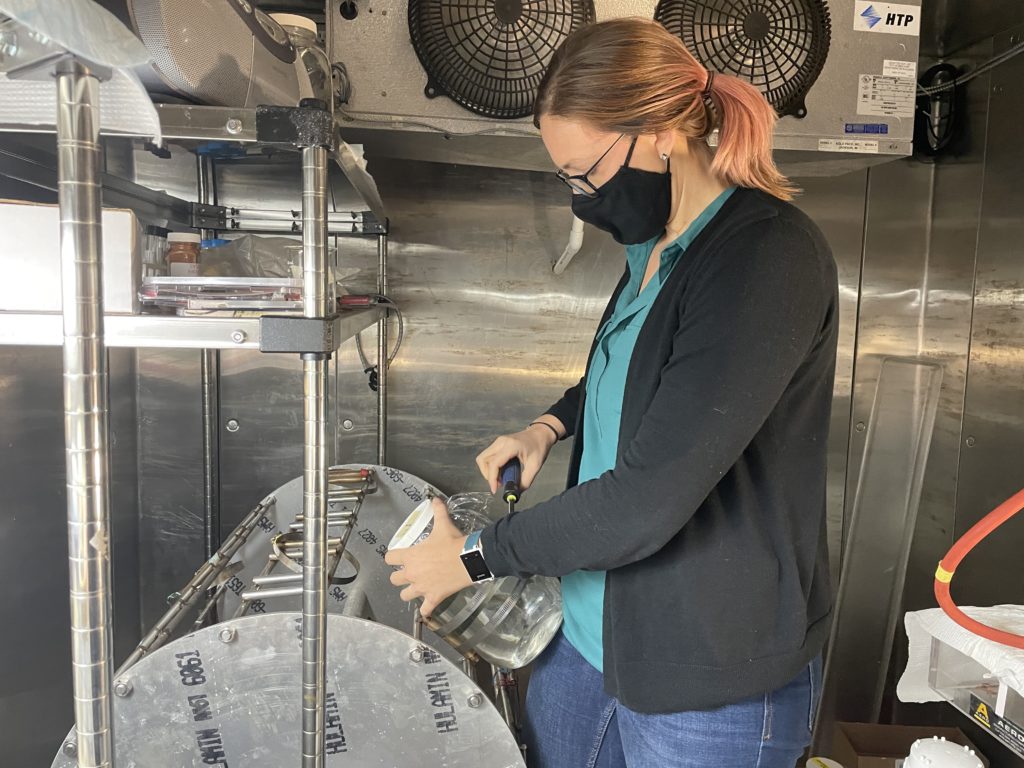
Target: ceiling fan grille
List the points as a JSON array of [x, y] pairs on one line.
[[490, 55], [779, 46]]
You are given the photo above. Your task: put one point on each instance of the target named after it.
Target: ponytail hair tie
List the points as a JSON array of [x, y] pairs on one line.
[[706, 93]]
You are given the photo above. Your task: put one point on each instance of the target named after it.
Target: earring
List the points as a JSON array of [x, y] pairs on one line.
[[664, 156]]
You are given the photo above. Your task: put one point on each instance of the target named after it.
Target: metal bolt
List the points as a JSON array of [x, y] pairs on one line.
[[70, 749], [233, 126], [227, 635], [861, 426], [232, 425], [171, 598], [971, 441], [122, 688], [347, 424], [416, 655], [475, 700], [238, 336]]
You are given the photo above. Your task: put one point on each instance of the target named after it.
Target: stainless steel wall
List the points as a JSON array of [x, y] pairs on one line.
[[35, 690]]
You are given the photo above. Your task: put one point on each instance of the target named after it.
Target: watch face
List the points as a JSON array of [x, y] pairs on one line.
[[475, 566]]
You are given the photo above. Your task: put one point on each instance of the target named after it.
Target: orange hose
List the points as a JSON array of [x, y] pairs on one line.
[[948, 565]]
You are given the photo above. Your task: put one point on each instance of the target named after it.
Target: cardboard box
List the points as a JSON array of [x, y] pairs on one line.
[[862, 745], [30, 256]]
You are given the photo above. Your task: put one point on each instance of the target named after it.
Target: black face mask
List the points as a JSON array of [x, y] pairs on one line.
[[633, 205]]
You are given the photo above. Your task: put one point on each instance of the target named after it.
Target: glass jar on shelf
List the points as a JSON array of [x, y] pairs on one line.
[[183, 254]]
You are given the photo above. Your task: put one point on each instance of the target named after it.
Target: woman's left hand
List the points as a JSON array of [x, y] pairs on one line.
[[432, 569]]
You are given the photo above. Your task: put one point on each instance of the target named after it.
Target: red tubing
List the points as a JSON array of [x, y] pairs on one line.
[[948, 565]]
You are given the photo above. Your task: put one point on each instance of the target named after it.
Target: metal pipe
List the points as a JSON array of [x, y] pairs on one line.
[[382, 352], [86, 434], [314, 461]]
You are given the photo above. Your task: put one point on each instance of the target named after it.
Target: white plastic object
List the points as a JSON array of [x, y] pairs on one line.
[[939, 753], [294, 20], [183, 237], [571, 248]]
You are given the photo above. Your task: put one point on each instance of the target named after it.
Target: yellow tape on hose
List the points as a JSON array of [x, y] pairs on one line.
[[941, 574]]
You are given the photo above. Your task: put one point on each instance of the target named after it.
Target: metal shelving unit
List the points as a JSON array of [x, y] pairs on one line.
[[86, 332], [164, 331]]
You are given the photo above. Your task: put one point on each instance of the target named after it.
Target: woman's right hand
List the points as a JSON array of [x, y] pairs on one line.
[[531, 446]]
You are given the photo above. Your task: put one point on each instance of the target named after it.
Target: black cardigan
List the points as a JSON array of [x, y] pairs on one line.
[[712, 523]]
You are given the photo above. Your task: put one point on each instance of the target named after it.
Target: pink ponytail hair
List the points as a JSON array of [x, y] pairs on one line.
[[633, 76]]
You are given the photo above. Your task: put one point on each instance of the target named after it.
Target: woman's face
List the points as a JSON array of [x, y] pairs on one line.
[[575, 147]]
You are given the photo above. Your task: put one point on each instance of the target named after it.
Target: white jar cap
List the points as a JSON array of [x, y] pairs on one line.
[[294, 20], [183, 237]]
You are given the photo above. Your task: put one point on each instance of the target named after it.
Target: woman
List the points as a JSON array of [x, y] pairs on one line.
[[691, 538]]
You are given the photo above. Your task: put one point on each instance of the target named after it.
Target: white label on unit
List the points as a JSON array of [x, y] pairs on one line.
[[886, 96], [183, 269], [888, 18], [860, 146], [894, 68]]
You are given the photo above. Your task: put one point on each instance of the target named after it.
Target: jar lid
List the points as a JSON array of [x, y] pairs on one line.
[[294, 20], [183, 237]]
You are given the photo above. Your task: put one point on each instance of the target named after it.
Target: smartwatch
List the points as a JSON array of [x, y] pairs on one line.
[[473, 558]]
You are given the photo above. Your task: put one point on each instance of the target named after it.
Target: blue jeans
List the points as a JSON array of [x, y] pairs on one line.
[[572, 723]]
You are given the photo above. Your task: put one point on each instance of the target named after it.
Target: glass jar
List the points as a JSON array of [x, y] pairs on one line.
[[507, 621], [302, 34], [183, 254]]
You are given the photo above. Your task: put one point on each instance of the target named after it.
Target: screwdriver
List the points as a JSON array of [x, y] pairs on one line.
[[511, 476]]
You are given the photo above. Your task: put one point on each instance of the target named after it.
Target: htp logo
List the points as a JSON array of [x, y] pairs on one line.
[[889, 18], [870, 16]]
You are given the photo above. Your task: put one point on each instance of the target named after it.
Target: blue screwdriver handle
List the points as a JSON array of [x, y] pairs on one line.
[[511, 477]]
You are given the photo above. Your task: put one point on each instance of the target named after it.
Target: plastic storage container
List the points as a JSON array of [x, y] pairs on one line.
[[507, 621], [302, 33]]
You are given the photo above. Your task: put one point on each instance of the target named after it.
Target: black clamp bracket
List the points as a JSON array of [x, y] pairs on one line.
[[302, 335], [209, 216], [307, 125]]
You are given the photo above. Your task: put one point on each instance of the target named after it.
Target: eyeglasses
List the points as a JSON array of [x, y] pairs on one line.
[[581, 184]]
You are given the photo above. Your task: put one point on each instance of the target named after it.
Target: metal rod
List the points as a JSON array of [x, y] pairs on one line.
[[266, 594], [281, 578], [382, 353], [315, 460], [350, 217], [501, 678], [340, 228], [86, 411], [210, 388], [210, 374], [243, 606], [198, 584]]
